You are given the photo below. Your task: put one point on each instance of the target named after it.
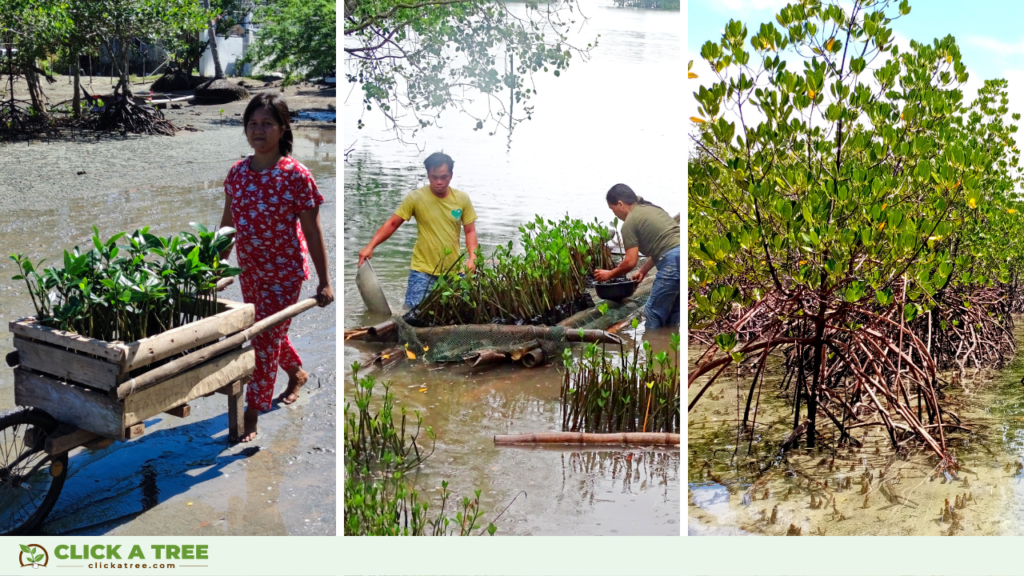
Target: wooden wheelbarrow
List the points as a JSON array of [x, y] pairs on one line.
[[73, 391]]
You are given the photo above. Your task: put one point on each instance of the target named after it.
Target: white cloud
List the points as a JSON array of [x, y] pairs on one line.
[[1016, 97], [747, 5], [994, 46]]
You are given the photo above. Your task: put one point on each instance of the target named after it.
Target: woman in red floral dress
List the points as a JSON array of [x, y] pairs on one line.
[[273, 203]]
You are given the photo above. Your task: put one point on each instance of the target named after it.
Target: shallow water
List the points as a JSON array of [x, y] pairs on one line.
[[182, 476], [567, 490], [735, 491], [592, 128]]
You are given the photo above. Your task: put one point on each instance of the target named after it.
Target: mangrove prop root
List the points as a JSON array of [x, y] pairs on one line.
[[856, 366]]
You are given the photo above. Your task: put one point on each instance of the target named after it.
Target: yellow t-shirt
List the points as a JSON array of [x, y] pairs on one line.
[[439, 224]]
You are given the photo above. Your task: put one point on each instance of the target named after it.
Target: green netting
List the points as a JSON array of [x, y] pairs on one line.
[[459, 342]]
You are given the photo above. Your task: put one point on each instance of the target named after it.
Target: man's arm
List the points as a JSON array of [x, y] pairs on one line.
[[471, 246], [628, 263], [644, 270], [383, 234]]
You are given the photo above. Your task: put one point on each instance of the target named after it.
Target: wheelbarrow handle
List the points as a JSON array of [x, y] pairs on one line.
[[278, 317], [196, 358]]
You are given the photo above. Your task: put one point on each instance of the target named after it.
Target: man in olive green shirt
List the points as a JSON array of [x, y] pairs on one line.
[[648, 229], [441, 213]]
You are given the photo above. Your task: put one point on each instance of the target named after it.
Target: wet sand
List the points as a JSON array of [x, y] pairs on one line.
[[182, 476]]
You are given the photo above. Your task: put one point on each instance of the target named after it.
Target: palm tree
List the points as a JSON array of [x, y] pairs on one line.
[[218, 89]]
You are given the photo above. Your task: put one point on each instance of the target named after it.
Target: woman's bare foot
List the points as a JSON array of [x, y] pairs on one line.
[[296, 379], [251, 415]]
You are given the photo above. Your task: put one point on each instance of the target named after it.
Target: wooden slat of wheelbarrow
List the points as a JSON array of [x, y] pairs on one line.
[[168, 370]]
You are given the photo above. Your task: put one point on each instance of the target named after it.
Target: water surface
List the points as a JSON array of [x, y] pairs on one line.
[[734, 486], [602, 122]]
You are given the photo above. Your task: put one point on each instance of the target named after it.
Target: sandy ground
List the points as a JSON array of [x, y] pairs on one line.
[[182, 477]]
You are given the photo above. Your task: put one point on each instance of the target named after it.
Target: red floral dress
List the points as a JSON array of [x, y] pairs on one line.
[[265, 208]]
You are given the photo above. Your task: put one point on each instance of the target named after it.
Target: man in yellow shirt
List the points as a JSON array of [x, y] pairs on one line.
[[441, 212]]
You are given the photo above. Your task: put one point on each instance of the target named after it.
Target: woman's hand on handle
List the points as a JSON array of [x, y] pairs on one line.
[[313, 231], [324, 294]]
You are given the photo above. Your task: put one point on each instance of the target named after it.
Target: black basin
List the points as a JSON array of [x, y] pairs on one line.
[[615, 290]]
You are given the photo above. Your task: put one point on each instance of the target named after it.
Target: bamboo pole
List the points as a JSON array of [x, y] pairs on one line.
[[654, 438], [194, 359]]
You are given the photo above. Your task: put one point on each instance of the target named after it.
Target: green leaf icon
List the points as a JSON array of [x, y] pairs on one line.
[[26, 549]]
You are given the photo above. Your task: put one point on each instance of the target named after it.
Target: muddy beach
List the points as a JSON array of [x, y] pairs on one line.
[[741, 483], [182, 476]]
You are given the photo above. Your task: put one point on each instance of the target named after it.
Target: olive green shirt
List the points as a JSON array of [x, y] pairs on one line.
[[651, 229], [439, 224]]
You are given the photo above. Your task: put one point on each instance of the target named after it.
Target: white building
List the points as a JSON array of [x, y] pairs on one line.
[[230, 50]]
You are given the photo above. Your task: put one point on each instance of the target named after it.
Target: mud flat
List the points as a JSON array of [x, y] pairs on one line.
[[75, 168], [182, 477]]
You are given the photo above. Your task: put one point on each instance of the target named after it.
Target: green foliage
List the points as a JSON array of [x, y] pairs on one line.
[[116, 23], [844, 175], [533, 287], [298, 37], [415, 60], [31, 28], [113, 292], [378, 499], [638, 392]]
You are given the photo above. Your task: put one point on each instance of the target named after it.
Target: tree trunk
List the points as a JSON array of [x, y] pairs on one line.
[[218, 73], [10, 72], [817, 378], [76, 99], [35, 91]]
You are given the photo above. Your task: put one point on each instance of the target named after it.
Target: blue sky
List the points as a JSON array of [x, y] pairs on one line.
[[990, 34]]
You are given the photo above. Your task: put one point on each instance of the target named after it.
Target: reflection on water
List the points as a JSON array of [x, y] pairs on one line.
[[569, 490], [593, 127], [853, 490]]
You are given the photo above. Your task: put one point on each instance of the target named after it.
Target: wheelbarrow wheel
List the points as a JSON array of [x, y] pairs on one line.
[[30, 479]]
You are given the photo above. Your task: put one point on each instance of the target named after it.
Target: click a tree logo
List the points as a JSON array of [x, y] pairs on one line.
[[33, 555]]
